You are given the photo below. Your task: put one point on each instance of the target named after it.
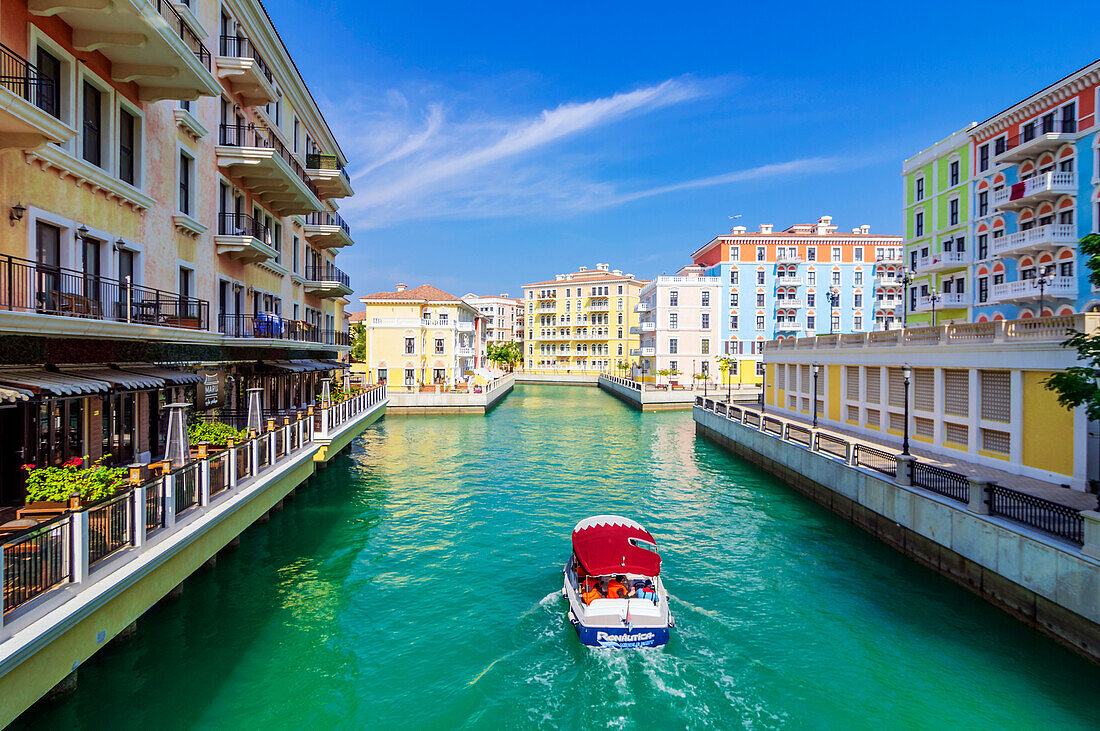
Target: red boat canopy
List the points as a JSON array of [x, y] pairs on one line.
[[608, 544]]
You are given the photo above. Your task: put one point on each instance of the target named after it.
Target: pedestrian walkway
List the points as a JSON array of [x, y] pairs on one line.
[[1039, 488]]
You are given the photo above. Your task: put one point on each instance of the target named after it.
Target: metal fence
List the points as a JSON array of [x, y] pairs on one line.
[[263, 453], [244, 460], [1047, 516], [36, 561], [772, 426], [752, 419], [799, 435], [110, 526], [940, 481], [154, 505], [186, 487], [832, 446], [219, 472], [280, 442], [875, 459]]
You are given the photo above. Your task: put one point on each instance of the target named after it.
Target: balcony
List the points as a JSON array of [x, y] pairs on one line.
[[464, 351], [547, 296], [147, 42], [464, 326], [788, 304], [244, 238], [327, 281], [642, 307], [888, 280], [788, 258], [599, 307], [274, 328], [27, 106], [551, 307], [788, 281], [788, 327], [263, 164], [1025, 194], [329, 175], [1028, 290], [327, 230], [888, 258], [44, 289], [1051, 236], [644, 352], [942, 301], [244, 70], [942, 261], [1042, 138]]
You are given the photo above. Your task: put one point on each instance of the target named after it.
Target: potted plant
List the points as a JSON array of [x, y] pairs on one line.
[[213, 434], [52, 488]]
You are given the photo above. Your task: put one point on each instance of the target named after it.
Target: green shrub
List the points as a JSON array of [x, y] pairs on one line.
[[214, 432], [58, 483]]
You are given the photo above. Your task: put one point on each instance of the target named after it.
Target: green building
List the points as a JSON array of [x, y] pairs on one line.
[[938, 241]]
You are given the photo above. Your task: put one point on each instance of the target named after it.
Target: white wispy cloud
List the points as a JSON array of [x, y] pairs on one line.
[[436, 161]]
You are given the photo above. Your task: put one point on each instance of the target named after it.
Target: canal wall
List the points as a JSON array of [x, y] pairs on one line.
[[1049, 584], [571, 379], [426, 403], [645, 397], [48, 640]]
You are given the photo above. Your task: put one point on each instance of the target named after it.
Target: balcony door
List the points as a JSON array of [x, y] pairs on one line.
[[91, 251], [47, 286]]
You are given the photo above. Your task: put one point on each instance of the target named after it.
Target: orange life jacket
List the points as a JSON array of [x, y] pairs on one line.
[[591, 595], [616, 590], [589, 584]]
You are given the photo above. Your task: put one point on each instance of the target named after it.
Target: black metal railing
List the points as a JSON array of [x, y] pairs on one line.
[[186, 487], [28, 286], [327, 273], [799, 435], [244, 460], [237, 47], [773, 426], [1049, 517], [321, 161], [22, 78], [249, 135], [154, 505], [875, 459], [1068, 126], [35, 561], [188, 36], [278, 328], [110, 526], [219, 472], [751, 418], [241, 224], [832, 446], [940, 481], [324, 218], [263, 454]]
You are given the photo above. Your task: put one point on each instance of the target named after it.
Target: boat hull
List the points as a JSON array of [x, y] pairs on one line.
[[620, 636]]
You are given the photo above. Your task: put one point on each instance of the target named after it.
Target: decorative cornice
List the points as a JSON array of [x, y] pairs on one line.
[[82, 173], [188, 226], [187, 122], [1052, 95]]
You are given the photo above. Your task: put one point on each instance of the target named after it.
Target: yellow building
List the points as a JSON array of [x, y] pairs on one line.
[[420, 337], [583, 321]]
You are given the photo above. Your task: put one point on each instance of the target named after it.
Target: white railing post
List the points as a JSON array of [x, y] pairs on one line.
[[78, 522], [254, 445], [169, 501], [138, 495], [271, 447], [231, 478], [324, 421], [204, 482]]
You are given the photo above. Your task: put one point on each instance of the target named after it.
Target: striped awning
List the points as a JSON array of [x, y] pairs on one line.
[[47, 383], [117, 378], [312, 365], [330, 364], [14, 395], [285, 366], [170, 377]]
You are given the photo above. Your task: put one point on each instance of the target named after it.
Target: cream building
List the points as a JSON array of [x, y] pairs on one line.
[[501, 313], [679, 328], [421, 337], [581, 321]]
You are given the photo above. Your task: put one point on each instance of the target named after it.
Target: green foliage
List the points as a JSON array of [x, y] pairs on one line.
[[214, 432], [1077, 385], [58, 483], [504, 354], [359, 342], [725, 363]]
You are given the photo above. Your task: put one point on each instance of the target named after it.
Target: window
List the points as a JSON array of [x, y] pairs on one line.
[[705, 298], [836, 278], [953, 173], [983, 203], [733, 322], [1000, 145], [186, 172], [620, 289], [410, 377], [983, 157], [759, 322], [1065, 269], [811, 298], [760, 369], [983, 289], [734, 278], [126, 141], [953, 212], [761, 253], [811, 322], [705, 324], [673, 346], [983, 246], [410, 346], [836, 253], [1065, 217], [439, 348], [673, 321], [93, 125], [857, 300], [734, 299], [673, 298], [294, 245], [759, 299], [920, 189], [857, 322], [960, 244], [705, 347], [735, 253], [811, 253], [49, 95], [811, 277], [857, 254], [760, 277], [918, 223], [186, 281], [126, 261], [834, 325], [858, 277]]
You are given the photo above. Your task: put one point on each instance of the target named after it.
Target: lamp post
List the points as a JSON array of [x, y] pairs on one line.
[[834, 302], [906, 279], [817, 368], [1044, 280], [906, 372], [934, 296]]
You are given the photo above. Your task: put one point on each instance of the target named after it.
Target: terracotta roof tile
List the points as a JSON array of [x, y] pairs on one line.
[[423, 293]]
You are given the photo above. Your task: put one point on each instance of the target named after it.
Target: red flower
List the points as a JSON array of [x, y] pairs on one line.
[[74, 462], [28, 466]]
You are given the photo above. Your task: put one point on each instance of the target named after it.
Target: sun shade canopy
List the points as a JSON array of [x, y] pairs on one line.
[[609, 544]]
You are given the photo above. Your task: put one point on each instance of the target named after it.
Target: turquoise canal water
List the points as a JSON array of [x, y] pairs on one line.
[[416, 582]]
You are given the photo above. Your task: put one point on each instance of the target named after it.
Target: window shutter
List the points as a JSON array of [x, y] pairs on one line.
[[996, 396], [956, 393]]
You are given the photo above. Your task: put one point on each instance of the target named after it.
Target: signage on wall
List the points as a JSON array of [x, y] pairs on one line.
[[211, 389]]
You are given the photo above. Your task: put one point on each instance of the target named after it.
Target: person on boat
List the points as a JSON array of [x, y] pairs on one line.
[[588, 583], [616, 588], [644, 589], [590, 590]]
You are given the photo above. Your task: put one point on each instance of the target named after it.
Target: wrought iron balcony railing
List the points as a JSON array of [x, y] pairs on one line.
[[238, 47], [22, 78], [188, 36], [249, 135], [327, 273]]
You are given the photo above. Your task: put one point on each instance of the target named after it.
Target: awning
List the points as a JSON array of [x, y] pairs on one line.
[[285, 366], [42, 382], [117, 378], [330, 364], [608, 544], [170, 377], [312, 365], [14, 395]]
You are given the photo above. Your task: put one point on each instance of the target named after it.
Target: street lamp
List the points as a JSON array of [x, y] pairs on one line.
[[934, 296], [906, 372], [906, 279], [834, 302], [817, 368], [1044, 280]]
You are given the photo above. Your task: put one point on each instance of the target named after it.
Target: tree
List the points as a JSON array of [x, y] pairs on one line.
[[506, 355], [359, 342], [1079, 385], [725, 365], [663, 372]]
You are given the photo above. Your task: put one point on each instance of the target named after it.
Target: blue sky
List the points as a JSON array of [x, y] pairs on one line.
[[493, 144]]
